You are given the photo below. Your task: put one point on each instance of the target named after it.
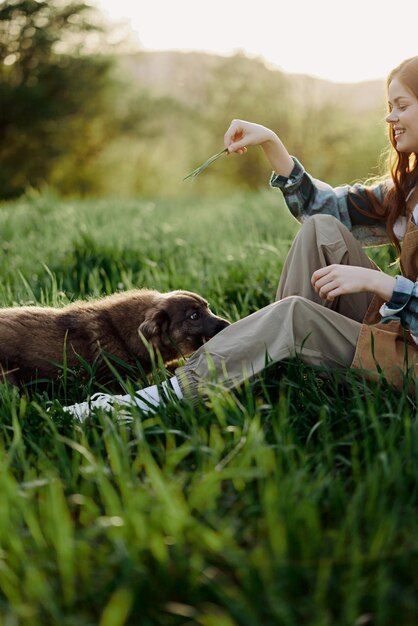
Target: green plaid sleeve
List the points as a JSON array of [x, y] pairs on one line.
[[306, 196], [403, 305]]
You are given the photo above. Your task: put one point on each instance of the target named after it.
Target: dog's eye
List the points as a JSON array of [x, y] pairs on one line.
[[194, 316]]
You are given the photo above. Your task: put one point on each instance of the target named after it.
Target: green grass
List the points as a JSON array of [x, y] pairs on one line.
[[290, 502]]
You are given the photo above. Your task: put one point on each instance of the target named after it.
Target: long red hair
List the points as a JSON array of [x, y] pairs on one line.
[[403, 167]]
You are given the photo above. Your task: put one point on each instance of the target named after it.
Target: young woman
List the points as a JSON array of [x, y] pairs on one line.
[[334, 307]]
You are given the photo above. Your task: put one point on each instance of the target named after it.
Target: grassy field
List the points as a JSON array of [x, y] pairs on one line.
[[291, 502]]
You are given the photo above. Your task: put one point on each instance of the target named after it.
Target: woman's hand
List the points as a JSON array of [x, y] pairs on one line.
[[242, 134], [336, 280]]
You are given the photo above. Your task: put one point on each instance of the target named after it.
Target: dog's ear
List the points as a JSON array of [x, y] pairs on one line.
[[155, 325]]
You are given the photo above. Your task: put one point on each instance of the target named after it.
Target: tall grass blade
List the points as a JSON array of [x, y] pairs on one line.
[[206, 164]]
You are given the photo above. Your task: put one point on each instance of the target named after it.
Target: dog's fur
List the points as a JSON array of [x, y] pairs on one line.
[[35, 342]]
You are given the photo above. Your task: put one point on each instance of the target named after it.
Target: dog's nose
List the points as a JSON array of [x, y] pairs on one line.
[[222, 324]]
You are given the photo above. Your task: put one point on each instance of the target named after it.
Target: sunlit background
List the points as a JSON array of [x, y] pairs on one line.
[[345, 41], [123, 97]]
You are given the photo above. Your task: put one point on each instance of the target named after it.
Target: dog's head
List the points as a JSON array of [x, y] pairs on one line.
[[180, 322]]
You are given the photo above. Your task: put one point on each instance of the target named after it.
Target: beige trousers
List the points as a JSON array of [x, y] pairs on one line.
[[299, 324]]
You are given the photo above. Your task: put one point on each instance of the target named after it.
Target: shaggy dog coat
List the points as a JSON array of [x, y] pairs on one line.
[[36, 342]]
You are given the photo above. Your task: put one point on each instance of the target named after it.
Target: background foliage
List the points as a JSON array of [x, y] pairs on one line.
[[80, 117]]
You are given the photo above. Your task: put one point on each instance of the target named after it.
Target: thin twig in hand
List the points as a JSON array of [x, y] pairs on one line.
[[200, 169]]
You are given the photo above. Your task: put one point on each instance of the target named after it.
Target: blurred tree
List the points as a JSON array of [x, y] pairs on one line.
[[336, 142], [246, 88], [54, 95]]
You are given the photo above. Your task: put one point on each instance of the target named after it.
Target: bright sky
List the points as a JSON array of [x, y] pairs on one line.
[[340, 40]]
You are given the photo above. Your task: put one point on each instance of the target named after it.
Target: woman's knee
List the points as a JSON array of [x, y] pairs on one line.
[[293, 306], [322, 218], [298, 312], [321, 230], [321, 222]]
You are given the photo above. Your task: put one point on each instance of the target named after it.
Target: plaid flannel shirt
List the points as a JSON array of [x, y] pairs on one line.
[[306, 196]]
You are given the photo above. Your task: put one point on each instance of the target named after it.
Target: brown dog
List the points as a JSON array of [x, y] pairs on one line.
[[35, 342]]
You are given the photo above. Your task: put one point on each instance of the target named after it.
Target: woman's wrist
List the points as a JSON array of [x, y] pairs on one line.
[[280, 160], [384, 285]]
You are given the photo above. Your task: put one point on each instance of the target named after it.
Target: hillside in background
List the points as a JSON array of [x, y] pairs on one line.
[[184, 103], [136, 125], [183, 75], [96, 121]]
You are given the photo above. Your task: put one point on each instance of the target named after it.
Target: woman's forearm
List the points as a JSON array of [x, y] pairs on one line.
[[242, 134], [278, 157]]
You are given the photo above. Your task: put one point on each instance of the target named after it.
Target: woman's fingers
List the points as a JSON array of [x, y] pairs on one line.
[[242, 134], [238, 142], [325, 286], [321, 273], [234, 134], [329, 291], [337, 280], [327, 282]]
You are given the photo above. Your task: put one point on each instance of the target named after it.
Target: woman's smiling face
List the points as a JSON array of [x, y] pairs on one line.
[[403, 117]]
